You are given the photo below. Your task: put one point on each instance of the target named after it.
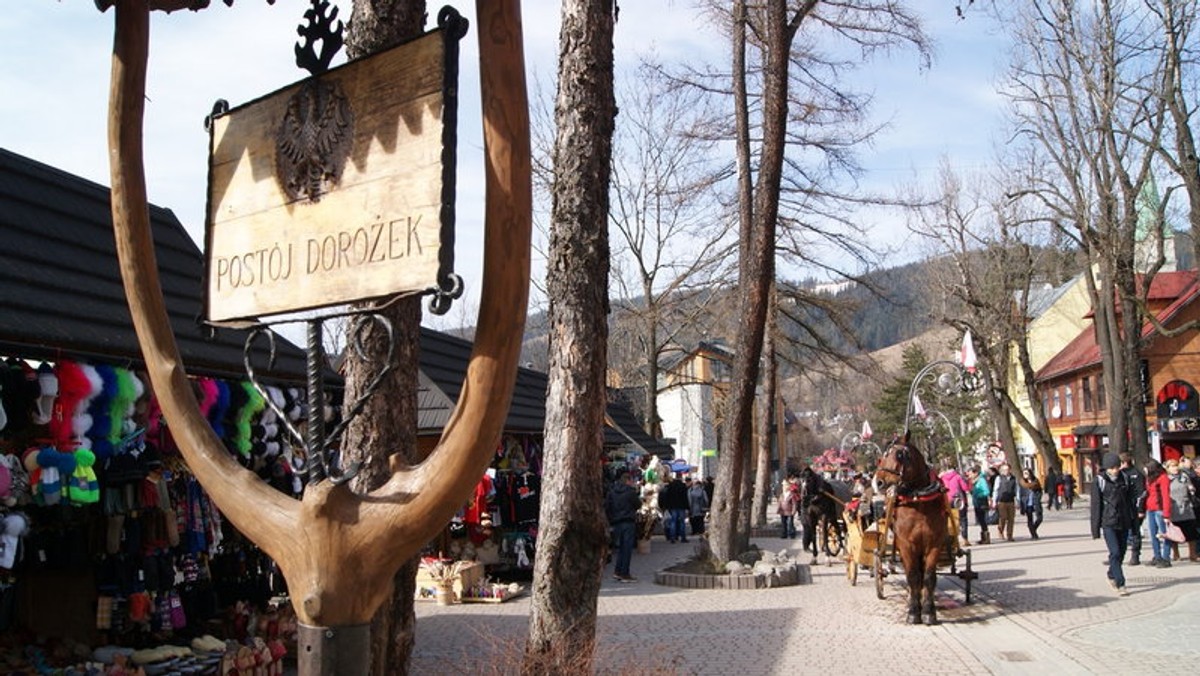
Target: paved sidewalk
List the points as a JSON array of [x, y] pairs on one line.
[[1038, 607]]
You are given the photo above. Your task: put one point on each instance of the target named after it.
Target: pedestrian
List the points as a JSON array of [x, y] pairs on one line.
[[1030, 499], [621, 506], [1068, 490], [1183, 513], [1137, 487], [1052, 484], [1004, 501], [789, 499], [1112, 516], [1158, 511], [697, 506], [710, 487], [980, 494], [675, 502], [957, 491]]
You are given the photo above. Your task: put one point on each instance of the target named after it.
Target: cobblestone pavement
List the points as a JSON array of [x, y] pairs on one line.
[[1038, 606]]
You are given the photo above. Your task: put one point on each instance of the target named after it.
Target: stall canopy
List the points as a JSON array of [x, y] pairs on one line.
[[61, 285], [444, 366]]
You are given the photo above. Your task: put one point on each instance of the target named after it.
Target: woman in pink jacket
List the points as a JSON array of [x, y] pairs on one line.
[[1158, 512], [956, 491]]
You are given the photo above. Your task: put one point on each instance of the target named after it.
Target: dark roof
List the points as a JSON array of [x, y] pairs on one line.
[[630, 431], [62, 288], [444, 361], [444, 367]]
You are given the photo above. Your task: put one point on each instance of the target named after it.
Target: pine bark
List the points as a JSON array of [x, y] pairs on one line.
[[573, 532], [388, 422]]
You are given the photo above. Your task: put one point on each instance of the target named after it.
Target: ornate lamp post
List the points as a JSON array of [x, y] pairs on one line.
[[954, 377], [853, 441]]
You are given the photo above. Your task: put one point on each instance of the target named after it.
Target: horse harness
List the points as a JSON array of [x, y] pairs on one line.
[[934, 490]]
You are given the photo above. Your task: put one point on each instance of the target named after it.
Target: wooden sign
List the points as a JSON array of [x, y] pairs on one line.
[[339, 188]]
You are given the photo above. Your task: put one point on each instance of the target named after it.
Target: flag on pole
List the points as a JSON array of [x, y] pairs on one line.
[[866, 430], [918, 408], [967, 354]]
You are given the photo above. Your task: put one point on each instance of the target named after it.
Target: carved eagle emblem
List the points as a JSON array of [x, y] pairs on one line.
[[313, 141]]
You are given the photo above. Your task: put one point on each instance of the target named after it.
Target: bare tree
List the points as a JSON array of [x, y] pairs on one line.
[[781, 99], [993, 261], [572, 531], [1086, 94], [671, 242], [1178, 30]]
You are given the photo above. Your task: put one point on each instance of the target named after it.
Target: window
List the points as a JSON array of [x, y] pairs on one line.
[[1056, 409], [1068, 401], [1087, 394], [1100, 402]]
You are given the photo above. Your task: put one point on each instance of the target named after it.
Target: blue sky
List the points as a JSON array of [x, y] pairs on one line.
[[56, 56]]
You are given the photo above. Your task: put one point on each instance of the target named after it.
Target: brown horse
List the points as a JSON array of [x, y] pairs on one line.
[[918, 516]]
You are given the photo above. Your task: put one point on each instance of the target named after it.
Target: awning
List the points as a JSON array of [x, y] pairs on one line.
[[679, 465], [1090, 430]]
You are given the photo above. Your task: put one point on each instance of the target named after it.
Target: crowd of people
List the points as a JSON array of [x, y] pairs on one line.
[[1162, 496]]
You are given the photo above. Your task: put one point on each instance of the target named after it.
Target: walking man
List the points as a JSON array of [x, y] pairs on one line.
[[621, 506], [1137, 491], [1112, 516], [1004, 501]]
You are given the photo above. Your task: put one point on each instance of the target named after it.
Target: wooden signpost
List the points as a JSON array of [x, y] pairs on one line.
[[337, 549], [339, 188]]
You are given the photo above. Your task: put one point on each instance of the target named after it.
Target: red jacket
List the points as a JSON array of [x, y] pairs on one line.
[[1158, 495]]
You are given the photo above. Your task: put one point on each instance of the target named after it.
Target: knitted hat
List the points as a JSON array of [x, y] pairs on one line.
[[1110, 461], [84, 489]]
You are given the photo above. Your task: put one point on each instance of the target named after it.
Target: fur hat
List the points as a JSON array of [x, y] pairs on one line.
[[44, 406], [73, 388], [14, 526]]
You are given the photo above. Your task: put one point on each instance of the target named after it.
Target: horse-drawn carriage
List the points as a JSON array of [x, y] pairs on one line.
[[873, 547], [917, 524]]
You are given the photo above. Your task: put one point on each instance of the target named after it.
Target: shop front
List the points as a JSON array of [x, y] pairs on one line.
[[1177, 412]]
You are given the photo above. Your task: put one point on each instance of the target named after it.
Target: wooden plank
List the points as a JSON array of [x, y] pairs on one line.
[[375, 231]]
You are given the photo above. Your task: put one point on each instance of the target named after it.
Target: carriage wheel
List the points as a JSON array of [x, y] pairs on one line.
[[877, 570]]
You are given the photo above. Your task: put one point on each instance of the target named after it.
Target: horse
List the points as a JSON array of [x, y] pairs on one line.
[[819, 511], [917, 515]]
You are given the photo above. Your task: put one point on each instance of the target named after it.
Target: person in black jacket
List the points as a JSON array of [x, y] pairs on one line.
[[1112, 516], [675, 502], [1137, 493], [621, 505]]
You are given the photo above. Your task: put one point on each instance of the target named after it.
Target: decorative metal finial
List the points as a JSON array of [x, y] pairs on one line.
[[322, 27]]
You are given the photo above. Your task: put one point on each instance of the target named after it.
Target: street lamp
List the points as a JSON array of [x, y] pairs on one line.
[[855, 441], [954, 379], [950, 429]]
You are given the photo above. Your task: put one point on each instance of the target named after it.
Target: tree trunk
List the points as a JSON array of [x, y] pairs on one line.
[[762, 474], [722, 511], [756, 274], [572, 533], [388, 422]]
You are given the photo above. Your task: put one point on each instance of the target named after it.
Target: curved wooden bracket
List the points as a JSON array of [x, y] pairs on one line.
[[338, 550]]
